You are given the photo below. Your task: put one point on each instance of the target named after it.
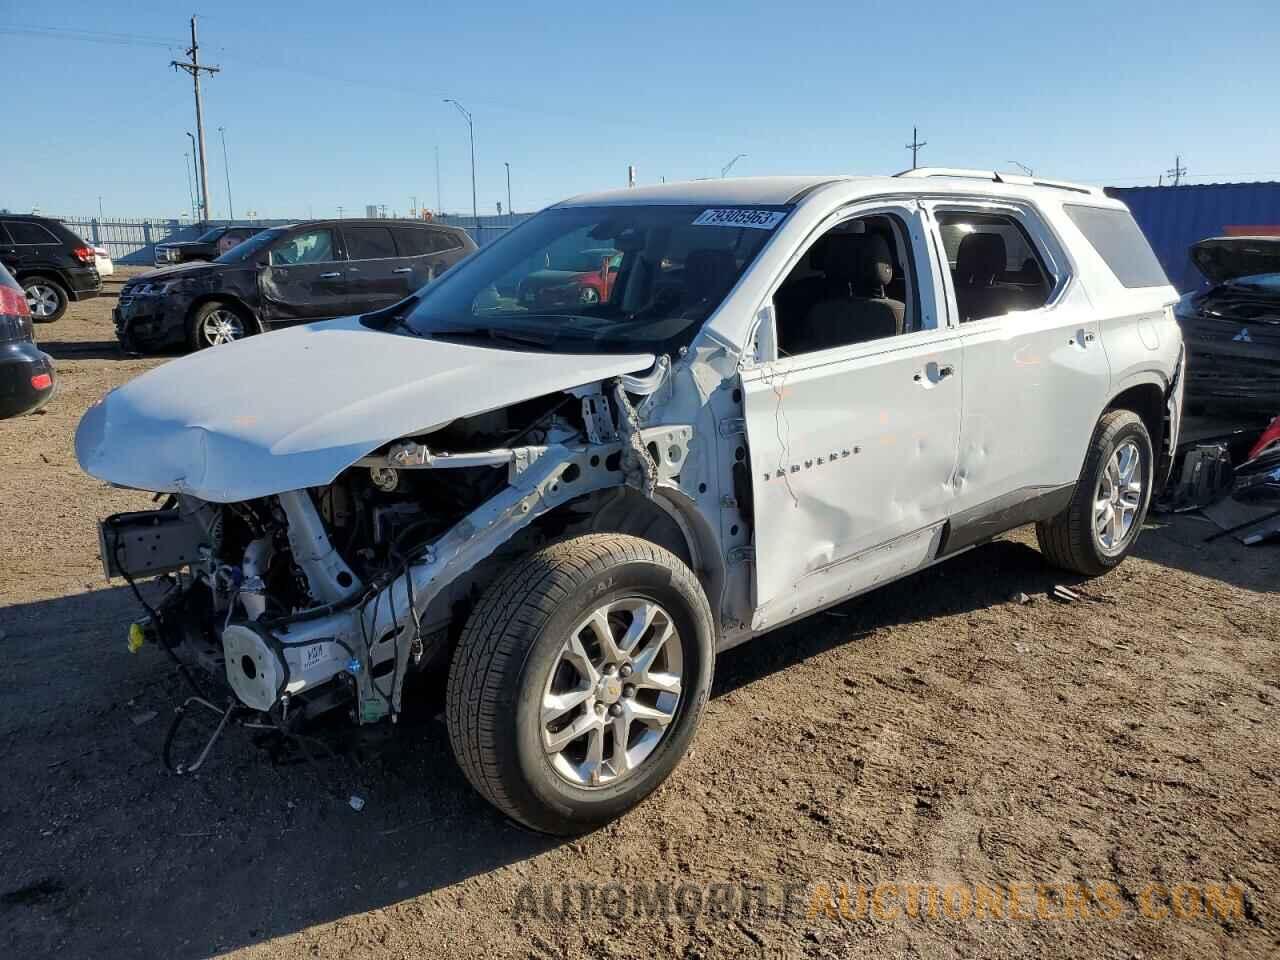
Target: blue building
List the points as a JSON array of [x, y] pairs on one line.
[[1173, 218]]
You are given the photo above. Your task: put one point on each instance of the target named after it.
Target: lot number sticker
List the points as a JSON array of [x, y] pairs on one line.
[[735, 217]]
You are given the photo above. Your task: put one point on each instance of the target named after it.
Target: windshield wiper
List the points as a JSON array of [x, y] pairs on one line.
[[489, 333]]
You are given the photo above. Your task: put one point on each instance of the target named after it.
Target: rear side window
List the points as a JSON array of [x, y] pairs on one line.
[[1120, 243], [369, 243], [25, 232], [413, 241], [995, 267], [445, 240]]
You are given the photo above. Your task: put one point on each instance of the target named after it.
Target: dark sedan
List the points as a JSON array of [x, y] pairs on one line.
[[208, 246], [26, 374], [283, 276], [1232, 329]]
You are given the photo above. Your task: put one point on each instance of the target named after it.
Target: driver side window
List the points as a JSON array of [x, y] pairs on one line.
[[856, 283], [311, 246]]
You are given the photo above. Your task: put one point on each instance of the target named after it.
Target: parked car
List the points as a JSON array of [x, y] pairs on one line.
[[283, 276], [786, 399], [26, 374], [584, 278], [1232, 329], [208, 246], [102, 260], [51, 264]]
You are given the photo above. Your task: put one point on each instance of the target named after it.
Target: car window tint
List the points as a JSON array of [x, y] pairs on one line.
[[856, 283], [995, 266], [368, 242], [444, 240], [1120, 243], [312, 246], [413, 241], [25, 232]]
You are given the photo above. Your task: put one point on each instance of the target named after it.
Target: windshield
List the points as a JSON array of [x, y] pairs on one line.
[[616, 279], [211, 235], [251, 247]]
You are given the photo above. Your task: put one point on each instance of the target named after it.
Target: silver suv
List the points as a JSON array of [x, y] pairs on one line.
[[643, 427]]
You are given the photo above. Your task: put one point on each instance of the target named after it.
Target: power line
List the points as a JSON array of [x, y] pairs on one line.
[[194, 67], [91, 36]]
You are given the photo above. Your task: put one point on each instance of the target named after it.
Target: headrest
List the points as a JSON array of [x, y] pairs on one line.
[[842, 256], [877, 265], [708, 273], [981, 259]]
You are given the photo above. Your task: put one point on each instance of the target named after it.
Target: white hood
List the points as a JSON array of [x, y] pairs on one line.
[[293, 409]]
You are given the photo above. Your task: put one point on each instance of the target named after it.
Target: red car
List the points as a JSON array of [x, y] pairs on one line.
[[582, 279]]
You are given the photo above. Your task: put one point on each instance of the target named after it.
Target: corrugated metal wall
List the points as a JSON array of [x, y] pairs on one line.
[[1173, 218]]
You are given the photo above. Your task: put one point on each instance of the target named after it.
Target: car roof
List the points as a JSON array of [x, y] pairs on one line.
[[779, 191], [361, 221]]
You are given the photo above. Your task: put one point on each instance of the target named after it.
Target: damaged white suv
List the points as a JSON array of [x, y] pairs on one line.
[[643, 427]]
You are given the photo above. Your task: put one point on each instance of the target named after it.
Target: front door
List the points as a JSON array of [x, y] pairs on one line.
[[305, 278], [852, 429], [1033, 354]]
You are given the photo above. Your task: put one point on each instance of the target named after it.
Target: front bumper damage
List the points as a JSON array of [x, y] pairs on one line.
[[355, 647]]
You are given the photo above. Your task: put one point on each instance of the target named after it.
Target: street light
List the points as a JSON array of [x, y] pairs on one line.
[[724, 171], [475, 213], [510, 211], [226, 168], [198, 195]]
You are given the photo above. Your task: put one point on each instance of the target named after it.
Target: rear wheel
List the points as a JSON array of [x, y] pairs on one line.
[[216, 323], [579, 680], [1101, 524], [46, 298]]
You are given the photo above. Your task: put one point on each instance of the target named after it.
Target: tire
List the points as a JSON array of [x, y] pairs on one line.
[[1072, 540], [213, 316], [513, 658], [46, 297]]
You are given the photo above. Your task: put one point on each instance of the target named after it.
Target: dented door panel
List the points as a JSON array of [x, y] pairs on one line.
[[851, 451]]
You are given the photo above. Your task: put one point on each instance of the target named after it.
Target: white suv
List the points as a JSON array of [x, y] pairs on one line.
[[779, 393]]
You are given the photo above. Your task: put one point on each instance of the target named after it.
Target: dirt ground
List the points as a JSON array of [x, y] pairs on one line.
[[939, 732]]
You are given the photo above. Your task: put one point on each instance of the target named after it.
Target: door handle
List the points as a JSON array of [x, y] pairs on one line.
[[932, 374], [403, 270], [330, 276]]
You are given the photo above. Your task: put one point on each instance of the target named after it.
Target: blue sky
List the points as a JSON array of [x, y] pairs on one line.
[[329, 103]]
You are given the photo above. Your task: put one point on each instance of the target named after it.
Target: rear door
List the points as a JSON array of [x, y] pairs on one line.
[[34, 245], [305, 278], [415, 244], [8, 251], [376, 273], [1033, 356], [852, 445]]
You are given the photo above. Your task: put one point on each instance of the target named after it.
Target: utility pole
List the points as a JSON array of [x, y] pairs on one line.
[[510, 209], [475, 213], [439, 207], [339, 211], [226, 168], [1178, 171], [914, 146], [194, 67]]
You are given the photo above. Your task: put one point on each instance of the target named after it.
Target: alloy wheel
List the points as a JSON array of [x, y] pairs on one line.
[[42, 300], [222, 326], [1118, 498], [612, 692]]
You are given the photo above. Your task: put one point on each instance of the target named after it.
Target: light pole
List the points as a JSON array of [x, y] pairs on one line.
[[226, 168], [191, 196], [724, 171], [475, 212], [199, 198], [510, 209], [1024, 168]]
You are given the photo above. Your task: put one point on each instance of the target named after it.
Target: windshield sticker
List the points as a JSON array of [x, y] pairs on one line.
[[733, 217]]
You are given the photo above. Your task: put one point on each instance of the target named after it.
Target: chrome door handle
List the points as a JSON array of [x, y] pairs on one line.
[[403, 270], [330, 276]]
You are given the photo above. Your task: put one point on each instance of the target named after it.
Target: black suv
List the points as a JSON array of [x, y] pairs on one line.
[[285, 275], [51, 263], [208, 246]]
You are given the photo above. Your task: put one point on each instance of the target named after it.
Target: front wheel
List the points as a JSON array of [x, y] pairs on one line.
[[216, 323], [1101, 524], [579, 680]]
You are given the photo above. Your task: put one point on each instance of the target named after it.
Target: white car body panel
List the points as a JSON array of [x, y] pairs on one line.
[[102, 260], [292, 409]]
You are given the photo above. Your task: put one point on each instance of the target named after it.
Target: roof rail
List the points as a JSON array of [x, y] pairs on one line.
[[996, 177]]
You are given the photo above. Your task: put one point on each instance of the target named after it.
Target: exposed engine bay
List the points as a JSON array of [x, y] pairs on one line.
[[314, 600]]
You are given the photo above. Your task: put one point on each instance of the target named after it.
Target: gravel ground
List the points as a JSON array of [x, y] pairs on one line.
[[941, 731]]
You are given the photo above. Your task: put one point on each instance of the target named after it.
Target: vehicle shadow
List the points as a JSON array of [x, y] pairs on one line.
[[83, 349], [1180, 541], [259, 845]]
